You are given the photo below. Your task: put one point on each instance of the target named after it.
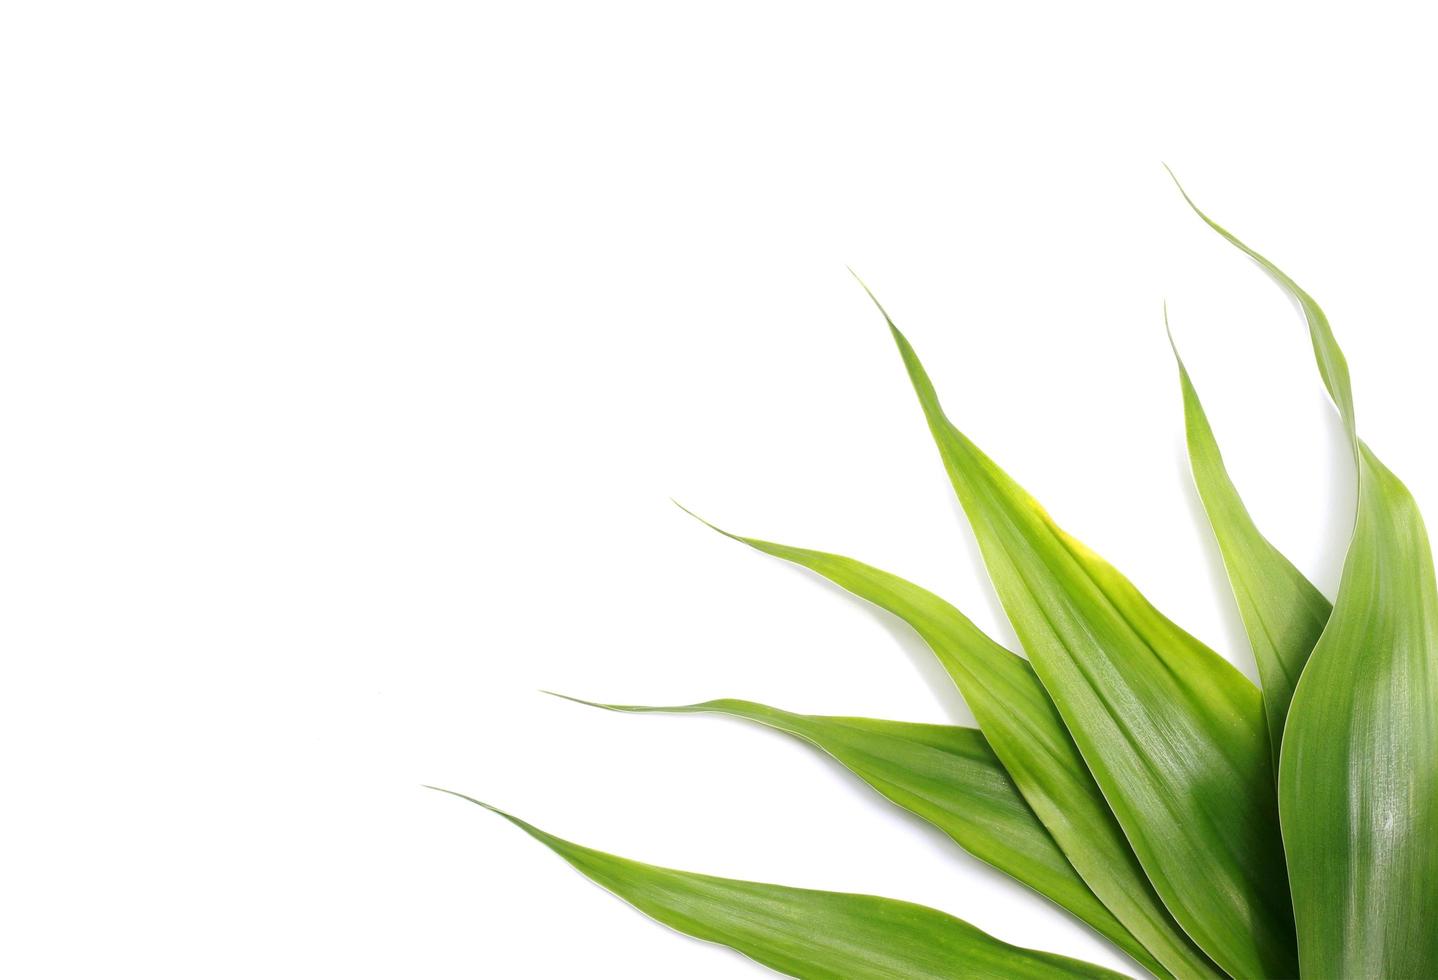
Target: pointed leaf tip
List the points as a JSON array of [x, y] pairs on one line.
[[566, 697], [1189, 740], [806, 933], [480, 803], [1029, 737], [874, 299], [1168, 332], [627, 708], [711, 526], [1363, 869]]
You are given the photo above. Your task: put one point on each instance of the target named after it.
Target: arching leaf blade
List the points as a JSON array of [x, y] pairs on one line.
[[949, 776], [1358, 772], [1174, 735], [812, 934], [1027, 734], [1283, 613]]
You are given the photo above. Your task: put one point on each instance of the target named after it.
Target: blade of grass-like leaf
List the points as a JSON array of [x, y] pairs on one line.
[[1027, 734], [1283, 613], [1174, 734], [1358, 776], [811, 934], [949, 776]]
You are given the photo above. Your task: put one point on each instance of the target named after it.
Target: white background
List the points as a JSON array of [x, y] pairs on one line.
[[352, 350]]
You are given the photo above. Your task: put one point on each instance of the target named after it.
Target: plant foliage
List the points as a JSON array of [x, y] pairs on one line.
[[1204, 825]]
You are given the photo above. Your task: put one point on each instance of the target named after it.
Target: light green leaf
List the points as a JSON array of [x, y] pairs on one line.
[[949, 776], [1173, 733], [1027, 734], [812, 934], [1358, 778], [1283, 613]]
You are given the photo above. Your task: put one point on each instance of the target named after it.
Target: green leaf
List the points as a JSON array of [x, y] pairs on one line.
[[1283, 613], [1358, 778], [1173, 733], [812, 934], [949, 776], [1027, 734]]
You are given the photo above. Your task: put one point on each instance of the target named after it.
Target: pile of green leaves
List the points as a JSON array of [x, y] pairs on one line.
[[1206, 826]]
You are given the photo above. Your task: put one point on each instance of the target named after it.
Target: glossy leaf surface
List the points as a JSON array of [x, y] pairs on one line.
[[1173, 733], [949, 776], [813, 934], [1026, 732], [1283, 613], [1359, 768]]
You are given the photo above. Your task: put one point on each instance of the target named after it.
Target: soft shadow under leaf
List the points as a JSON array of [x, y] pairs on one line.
[[1026, 732], [1358, 773], [1173, 733], [950, 777]]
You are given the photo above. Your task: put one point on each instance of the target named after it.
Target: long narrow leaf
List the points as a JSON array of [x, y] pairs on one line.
[[813, 934], [1358, 778], [949, 776], [1173, 733], [1283, 613], [1028, 735]]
